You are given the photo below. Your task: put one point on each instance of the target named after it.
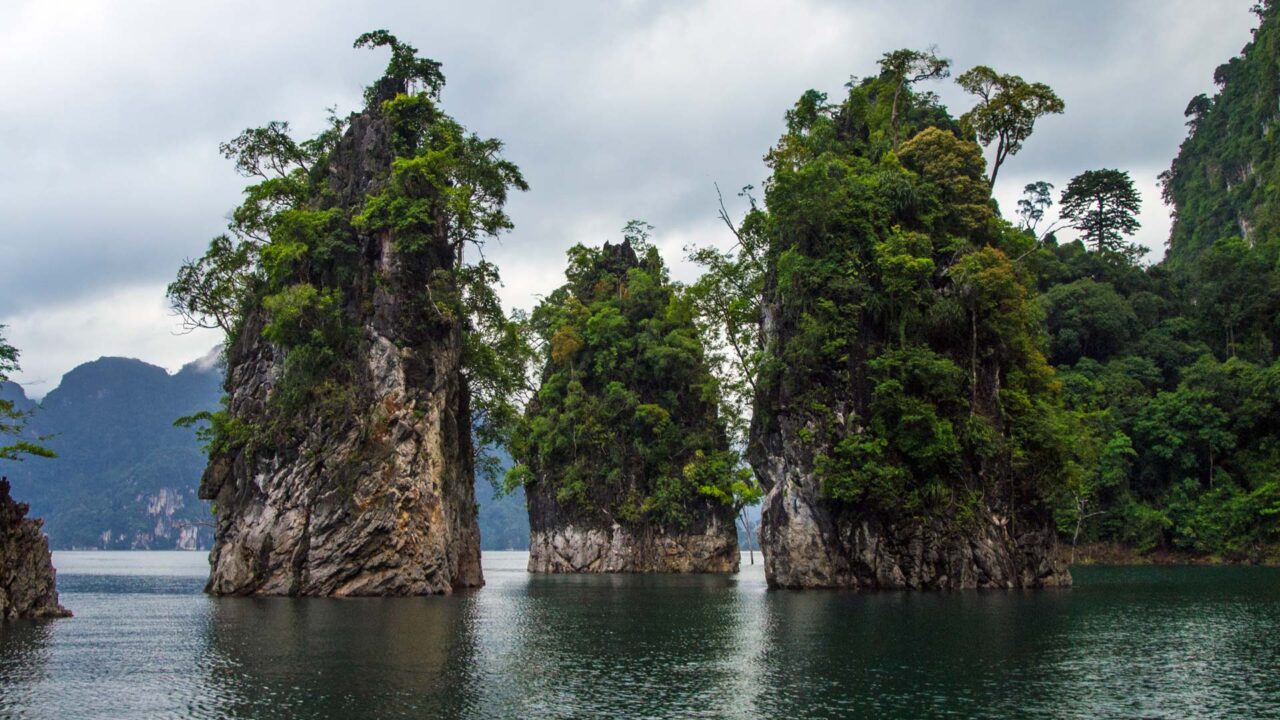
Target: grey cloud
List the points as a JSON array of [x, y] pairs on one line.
[[109, 173]]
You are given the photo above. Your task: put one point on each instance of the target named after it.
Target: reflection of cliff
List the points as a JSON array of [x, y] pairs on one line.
[[911, 655], [614, 645], [347, 658]]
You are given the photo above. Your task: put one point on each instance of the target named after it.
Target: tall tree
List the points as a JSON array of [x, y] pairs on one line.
[[12, 420], [1037, 198], [1104, 206], [726, 299], [905, 68], [1007, 110]]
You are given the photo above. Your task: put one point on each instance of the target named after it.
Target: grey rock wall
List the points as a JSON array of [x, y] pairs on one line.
[[28, 587]]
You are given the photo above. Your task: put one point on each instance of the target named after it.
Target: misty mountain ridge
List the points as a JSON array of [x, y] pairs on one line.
[[126, 478]]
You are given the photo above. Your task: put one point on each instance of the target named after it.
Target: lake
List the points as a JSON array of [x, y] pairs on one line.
[[1125, 642]]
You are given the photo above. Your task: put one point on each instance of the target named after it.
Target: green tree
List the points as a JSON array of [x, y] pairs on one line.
[[13, 421], [903, 69], [1235, 293], [292, 256], [1104, 207], [1086, 318], [1007, 110], [952, 170], [726, 297], [1102, 468], [1037, 198], [626, 424]]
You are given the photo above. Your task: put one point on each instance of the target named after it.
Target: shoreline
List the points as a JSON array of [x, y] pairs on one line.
[[1087, 554]]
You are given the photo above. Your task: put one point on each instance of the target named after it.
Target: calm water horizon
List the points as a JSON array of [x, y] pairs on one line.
[[1152, 642]]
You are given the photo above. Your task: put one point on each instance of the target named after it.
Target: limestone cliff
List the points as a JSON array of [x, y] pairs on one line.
[[814, 537], [563, 540], [367, 487], [27, 577], [907, 429], [810, 541], [624, 459]]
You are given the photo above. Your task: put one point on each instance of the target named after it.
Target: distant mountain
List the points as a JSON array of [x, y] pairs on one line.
[[504, 522], [14, 393], [126, 478]]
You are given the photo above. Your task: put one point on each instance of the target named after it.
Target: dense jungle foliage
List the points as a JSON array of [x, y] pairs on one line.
[[625, 425], [944, 355], [1173, 367], [945, 361], [906, 345]]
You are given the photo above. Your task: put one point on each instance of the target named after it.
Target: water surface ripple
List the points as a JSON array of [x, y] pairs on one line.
[[1126, 642]]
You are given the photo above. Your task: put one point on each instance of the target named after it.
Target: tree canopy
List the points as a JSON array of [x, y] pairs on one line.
[[626, 421], [904, 68], [1172, 367], [293, 251], [886, 276], [1007, 111], [1104, 207]]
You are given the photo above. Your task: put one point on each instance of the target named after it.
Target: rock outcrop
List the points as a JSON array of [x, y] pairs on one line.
[[625, 462], [378, 497], [906, 427], [27, 578], [562, 540], [811, 542]]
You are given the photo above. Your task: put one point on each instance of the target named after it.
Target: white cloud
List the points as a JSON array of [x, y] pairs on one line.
[[127, 321], [112, 112]]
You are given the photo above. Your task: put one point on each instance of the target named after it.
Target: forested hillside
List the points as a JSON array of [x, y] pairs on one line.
[[124, 476], [1173, 366]]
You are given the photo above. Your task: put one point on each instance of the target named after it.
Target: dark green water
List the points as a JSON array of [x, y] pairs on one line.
[[1126, 642]]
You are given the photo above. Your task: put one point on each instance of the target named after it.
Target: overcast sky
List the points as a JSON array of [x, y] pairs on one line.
[[111, 113]]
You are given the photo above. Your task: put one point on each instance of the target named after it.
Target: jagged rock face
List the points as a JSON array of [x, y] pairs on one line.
[[620, 505], [562, 540], [27, 577], [809, 541], [381, 503]]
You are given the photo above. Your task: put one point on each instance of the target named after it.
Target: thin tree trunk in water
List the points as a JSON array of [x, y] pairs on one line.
[[746, 523]]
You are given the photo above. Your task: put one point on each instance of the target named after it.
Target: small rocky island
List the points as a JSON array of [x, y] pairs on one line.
[[27, 578], [624, 460], [906, 426], [342, 463]]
